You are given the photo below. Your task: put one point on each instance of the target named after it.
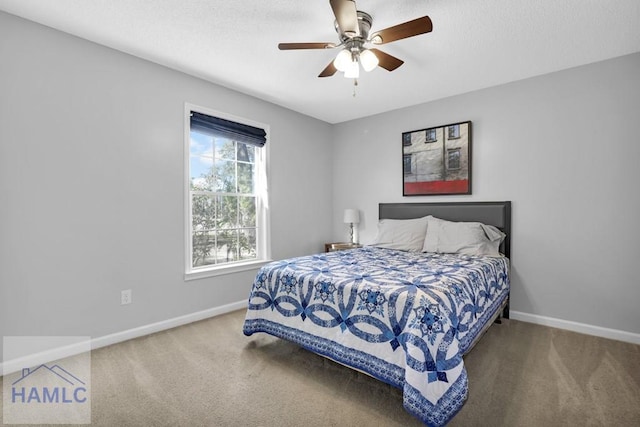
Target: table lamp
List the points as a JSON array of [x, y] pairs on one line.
[[351, 217]]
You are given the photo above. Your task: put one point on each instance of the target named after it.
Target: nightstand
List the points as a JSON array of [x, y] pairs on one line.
[[340, 246]]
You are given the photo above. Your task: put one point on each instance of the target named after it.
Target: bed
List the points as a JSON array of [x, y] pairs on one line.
[[404, 317]]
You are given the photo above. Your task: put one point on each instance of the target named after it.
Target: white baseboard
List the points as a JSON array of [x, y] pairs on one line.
[[10, 366], [582, 328], [165, 324], [14, 365]]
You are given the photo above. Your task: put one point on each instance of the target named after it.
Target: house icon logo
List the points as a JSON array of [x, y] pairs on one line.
[[48, 384], [46, 380]]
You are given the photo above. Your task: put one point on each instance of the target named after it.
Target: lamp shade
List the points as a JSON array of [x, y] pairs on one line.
[[353, 70], [369, 60], [351, 216], [343, 60]]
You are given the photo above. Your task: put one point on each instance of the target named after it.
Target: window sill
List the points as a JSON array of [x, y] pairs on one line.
[[225, 269]]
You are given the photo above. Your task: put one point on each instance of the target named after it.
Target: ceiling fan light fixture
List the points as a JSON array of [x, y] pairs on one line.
[[343, 60], [353, 70], [368, 59], [354, 33]]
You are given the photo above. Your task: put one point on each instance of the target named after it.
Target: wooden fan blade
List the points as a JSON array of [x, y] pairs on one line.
[[329, 71], [402, 31], [387, 61], [347, 16], [291, 46]]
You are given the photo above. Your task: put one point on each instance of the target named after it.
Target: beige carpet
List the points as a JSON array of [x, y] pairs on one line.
[[209, 374]]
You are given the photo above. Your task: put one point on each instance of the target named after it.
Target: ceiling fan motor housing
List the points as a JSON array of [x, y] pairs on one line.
[[364, 25]]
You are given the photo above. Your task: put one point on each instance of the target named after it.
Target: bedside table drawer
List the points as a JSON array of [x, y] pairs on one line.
[[340, 246]]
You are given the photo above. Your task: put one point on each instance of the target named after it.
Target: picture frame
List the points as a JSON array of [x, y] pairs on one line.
[[437, 160]]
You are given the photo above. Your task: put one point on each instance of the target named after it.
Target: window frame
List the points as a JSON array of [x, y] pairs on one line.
[[458, 152], [408, 157], [456, 131], [428, 139], [263, 247]]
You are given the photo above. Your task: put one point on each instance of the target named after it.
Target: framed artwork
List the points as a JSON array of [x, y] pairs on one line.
[[437, 161]]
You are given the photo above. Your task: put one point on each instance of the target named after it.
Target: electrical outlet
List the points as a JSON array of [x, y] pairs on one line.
[[125, 297]]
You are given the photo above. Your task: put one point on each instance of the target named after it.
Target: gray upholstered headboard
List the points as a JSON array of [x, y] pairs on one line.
[[497, 214]]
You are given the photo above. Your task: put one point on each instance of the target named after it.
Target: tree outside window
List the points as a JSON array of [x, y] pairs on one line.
[[223, 209]]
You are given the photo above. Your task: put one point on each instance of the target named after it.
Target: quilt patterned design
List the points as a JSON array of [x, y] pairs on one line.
[[404, 318]]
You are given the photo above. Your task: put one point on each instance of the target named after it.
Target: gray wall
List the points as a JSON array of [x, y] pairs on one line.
[[564, 148], [91, 193], [91, 186]]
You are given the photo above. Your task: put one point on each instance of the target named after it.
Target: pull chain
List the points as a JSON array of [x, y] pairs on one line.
[[355, 83]]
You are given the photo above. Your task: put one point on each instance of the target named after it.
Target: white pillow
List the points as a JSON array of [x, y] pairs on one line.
[[403, 234], [471, 238]]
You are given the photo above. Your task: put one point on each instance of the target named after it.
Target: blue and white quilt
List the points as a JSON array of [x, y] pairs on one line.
[[405, 318]]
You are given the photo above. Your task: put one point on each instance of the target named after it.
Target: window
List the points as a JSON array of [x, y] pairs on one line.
[[454, 132], [407, 164], [406, 139], [430, 135], [226, 193], [453, 159]]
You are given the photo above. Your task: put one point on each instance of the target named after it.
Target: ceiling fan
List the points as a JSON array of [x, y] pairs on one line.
[[353, 28]]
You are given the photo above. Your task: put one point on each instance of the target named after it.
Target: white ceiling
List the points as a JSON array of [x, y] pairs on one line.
[[474, 44]]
